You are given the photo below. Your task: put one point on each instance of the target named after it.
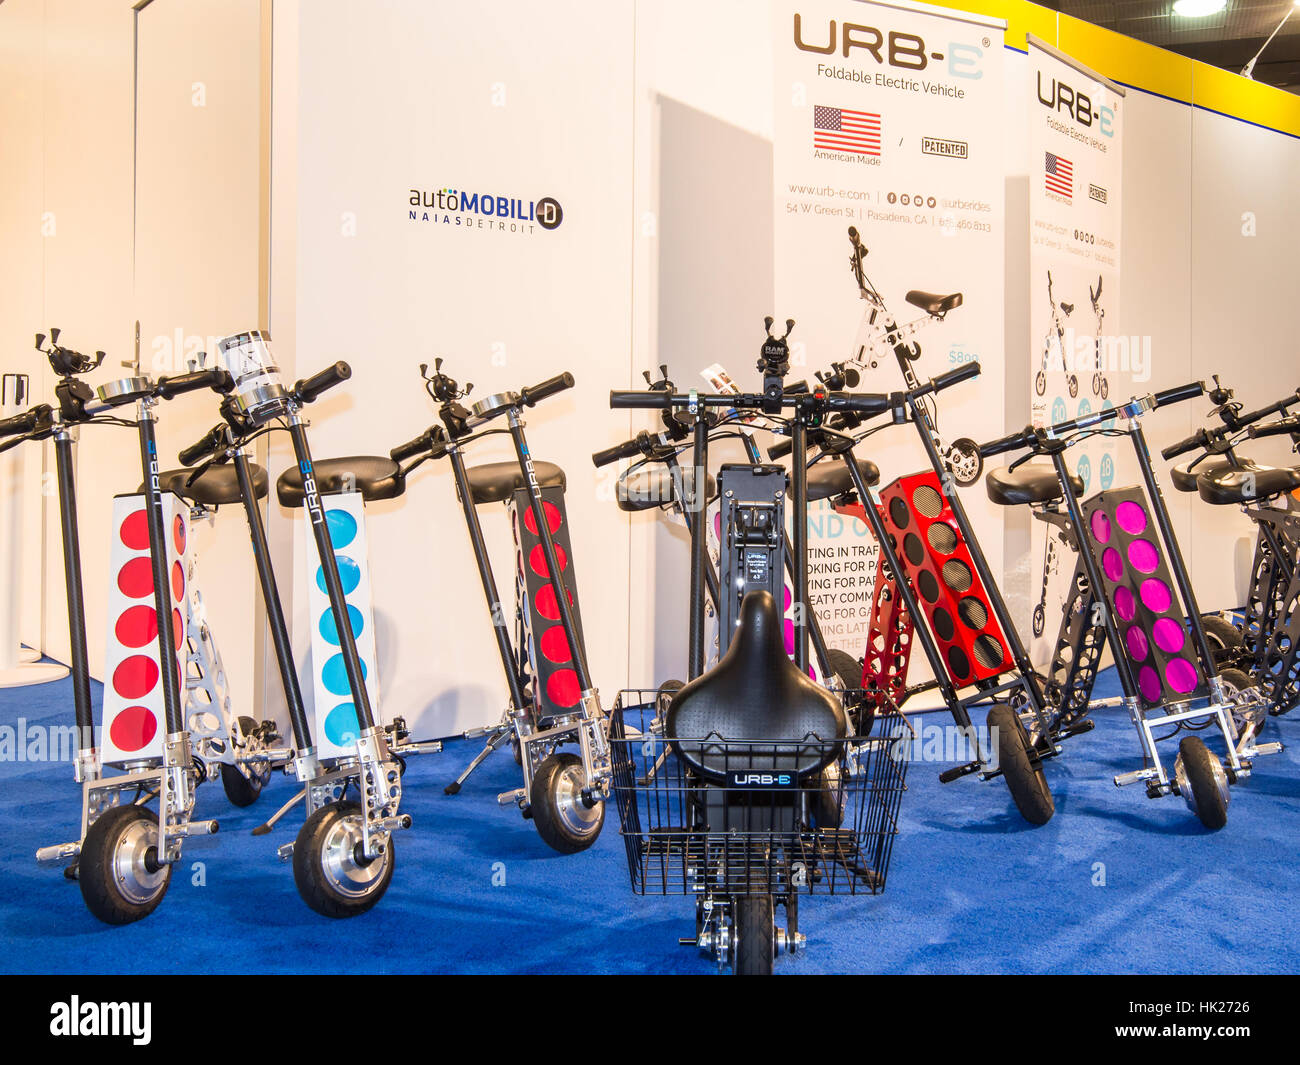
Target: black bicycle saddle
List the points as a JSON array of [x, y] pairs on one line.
[[215, 486], [374, 476], [830, 477], [1031, 483], [756, 694], [652, 487], [934, 302], [494, 481], [1184, 474], [1246, 483]]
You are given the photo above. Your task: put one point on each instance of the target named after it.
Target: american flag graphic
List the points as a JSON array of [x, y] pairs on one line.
[[838, 129], [1060, 176]]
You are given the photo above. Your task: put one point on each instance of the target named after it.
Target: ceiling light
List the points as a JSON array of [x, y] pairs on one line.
[[1198, 8]]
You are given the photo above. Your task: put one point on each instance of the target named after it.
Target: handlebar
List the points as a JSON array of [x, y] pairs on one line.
[[431, 443], [1176, 395], [217, 380], [1011, 442], [25, 422], [530, 397], [309, 390], [1285, 427], [1240, 421], [1200, 438], [210, 444], [626, 450]]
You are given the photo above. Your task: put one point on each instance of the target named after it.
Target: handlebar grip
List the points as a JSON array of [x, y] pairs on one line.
[[1010, 442], [639, 400], [307, 391], [955, 376], [557, 384], [859, 402], [201, 449], [1242, 420], [625, 450], [780, 449], [1182, 392], [217, 380], [1198, 439], [426, 443], [1285, 427], [24, 422]]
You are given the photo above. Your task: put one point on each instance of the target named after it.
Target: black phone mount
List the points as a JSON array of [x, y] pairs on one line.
[[774, 362]]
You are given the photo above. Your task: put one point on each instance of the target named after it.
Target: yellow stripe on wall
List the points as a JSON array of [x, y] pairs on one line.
[[1125, 60], [1231, 94], [1144, 66]]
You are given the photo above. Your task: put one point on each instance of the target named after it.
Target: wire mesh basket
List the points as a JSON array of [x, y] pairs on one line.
[[766, 825]]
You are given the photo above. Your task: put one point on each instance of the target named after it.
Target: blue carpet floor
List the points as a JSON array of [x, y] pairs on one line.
[[1114, 883]]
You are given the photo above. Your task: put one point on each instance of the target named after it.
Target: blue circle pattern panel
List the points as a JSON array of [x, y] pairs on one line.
[[335, 676], [329, 630], [341, 725]]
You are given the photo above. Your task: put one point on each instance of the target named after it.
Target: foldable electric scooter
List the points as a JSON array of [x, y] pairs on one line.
[[656, 480], [746, 787], [345, 853], [123, 856], [1056, 334], [554, 720], [1133, 586], [879, 331], [1263, 644]]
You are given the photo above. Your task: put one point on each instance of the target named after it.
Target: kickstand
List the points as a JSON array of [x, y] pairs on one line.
[[262, 830], [495, 739]]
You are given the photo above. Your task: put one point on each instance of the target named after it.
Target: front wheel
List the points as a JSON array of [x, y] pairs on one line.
[[333, 874], [755, 936], [566, 819], [1202, 782], [119, 873], [1025, 779]]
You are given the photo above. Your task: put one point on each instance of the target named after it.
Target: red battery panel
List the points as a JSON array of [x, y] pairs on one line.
[[556, 688], [937, 562]]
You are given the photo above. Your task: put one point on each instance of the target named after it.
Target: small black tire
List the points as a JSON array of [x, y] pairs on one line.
[[1207, 786], [516, 749], [243, 788], [120, 879], [564, 818], [1223, 637], [1025, 780], [755, 936], [847, 671], [329, 877]]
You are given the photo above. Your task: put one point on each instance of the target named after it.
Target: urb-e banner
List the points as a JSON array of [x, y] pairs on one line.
[[888, 119], [1080, 364]]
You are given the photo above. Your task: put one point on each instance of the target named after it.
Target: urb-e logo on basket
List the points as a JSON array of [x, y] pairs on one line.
[[748, 778]]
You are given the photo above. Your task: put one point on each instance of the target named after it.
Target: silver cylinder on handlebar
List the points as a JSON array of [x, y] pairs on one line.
[[259, 393]]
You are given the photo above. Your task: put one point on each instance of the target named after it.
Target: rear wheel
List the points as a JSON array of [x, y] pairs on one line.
[[1025, 779], [566, 819], [1242, 694], [1202, 782], [755, 936], [120, 877], [965, 461], [1224, 638]]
